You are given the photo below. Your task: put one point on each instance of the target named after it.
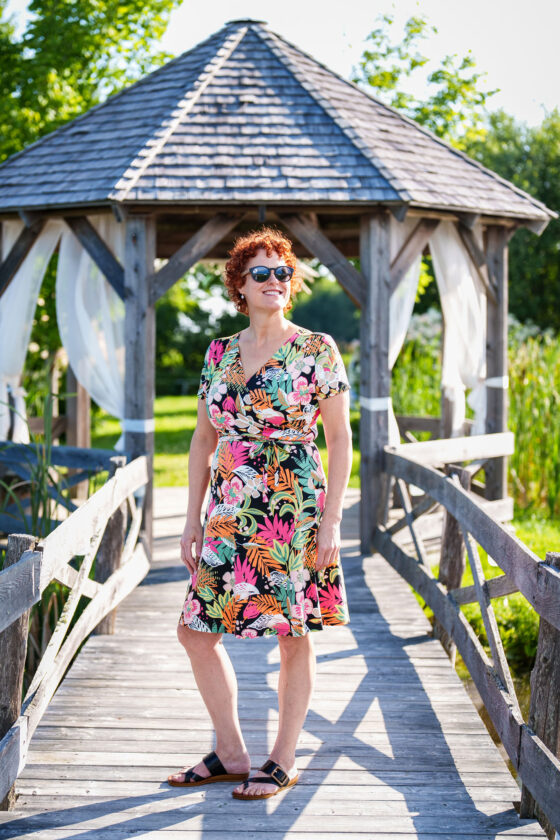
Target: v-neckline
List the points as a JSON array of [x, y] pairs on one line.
[[238, 356]]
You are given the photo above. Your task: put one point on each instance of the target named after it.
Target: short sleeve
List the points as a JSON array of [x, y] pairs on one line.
[[330, 373], [205, 374]]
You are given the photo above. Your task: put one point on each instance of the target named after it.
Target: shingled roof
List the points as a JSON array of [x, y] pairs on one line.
[[245, 117]]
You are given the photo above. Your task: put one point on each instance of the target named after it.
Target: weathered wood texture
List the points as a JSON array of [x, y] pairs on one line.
[[375, 376], [392, 747], [109, 553], [140, 337], [452, 562], [13, 647], [78, 428], [99, 251], [544, 713], [18, 252], [497, 354], [195, 249]]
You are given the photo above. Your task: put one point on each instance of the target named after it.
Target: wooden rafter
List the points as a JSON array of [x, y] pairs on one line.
[[478, 260], [413, 246], [306, 229], [99, 251], [18, 253], [190, 253]]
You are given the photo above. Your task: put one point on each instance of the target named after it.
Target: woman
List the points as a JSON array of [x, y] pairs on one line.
[[267, 561]]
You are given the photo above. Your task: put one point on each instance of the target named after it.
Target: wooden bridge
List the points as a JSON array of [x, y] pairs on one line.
[[392, 745]]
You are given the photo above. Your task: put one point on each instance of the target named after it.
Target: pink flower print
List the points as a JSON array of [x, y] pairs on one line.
[[301, 364], [251, 611], [330, 598], [228, 579], [229, 404], [191, 608], [302, 607], [232, 491], [248, 633], [282, 628], [216, 352], [221, 419], [312, 592], [321, 500], [273, 417], [277, 530], [244, 572], [238, 452], [301, 395]]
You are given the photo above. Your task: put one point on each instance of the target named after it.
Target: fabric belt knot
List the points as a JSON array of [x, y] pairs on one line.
[[270, 447]]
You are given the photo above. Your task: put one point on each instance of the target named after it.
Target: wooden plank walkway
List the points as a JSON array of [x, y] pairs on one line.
[[392, 747]]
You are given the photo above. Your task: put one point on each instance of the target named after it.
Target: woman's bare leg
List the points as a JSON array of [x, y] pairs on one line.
[[217, 684], [295, 686]]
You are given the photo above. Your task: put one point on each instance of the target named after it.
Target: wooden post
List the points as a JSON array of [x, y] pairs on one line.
[[138, 425], [13, 649], [109, 553], [497, 355], [78, 429], [544, 710], [375, 376], [453, 558]]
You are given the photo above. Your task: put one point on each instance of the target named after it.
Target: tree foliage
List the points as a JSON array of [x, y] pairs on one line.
[[71, 56], [453, 111]]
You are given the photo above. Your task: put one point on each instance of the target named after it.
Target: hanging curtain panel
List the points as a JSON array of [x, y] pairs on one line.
[[91, 317], [463, 302], [401, 304], [17, 308]]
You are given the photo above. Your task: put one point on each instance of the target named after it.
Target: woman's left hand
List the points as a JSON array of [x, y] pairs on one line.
[[328, 543]]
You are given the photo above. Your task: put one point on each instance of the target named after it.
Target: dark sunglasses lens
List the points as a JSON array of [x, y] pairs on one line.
[[260, 273], [283, 273]]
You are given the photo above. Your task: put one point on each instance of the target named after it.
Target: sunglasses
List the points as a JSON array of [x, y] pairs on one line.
[[261, 273]]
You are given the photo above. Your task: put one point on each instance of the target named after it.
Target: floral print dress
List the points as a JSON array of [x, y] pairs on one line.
[[256, 574]]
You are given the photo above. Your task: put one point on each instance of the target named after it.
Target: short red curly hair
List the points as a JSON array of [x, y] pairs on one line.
[[245, 247]]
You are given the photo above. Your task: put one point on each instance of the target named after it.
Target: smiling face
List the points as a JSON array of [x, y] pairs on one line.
[[271, 295]]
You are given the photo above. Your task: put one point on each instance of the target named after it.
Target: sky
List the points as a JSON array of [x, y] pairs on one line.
[[514, 42]]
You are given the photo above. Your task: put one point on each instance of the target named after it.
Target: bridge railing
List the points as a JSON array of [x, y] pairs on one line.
[[96, 531], [470, 521]]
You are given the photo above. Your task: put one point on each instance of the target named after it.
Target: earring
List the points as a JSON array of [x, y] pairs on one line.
[[241, 295]]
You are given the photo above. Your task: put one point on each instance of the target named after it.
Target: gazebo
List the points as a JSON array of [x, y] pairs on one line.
[[246, 128]]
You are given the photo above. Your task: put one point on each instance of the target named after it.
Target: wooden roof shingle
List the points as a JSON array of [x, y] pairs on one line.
[[246, 117]]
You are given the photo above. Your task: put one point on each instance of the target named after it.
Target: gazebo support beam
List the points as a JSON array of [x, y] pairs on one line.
[[496, 355], [138, 423], [413, 246], [306, 229], [18, 252], [100, 253], [478, 260], [195, 249], [375, 376]]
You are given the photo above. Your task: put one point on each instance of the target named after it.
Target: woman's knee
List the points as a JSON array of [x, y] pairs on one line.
[[291, 646], [195, 641]]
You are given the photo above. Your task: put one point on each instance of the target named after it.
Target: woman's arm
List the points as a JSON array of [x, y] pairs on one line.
[[335, 414], [202, 448]]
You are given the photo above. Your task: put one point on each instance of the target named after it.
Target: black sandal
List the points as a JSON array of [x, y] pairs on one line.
[[277, 776], [218, 773]]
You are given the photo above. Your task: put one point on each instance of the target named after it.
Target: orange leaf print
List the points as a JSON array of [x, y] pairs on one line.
[[260, 559], [222, 526], [226, 462], [267, 604], [230, 614], [261, 399]]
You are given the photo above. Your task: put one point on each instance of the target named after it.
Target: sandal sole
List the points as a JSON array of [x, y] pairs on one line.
[[230, 777], [265, 795]]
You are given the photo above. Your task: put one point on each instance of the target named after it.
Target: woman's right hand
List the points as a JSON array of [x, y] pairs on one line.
[[192, 533]]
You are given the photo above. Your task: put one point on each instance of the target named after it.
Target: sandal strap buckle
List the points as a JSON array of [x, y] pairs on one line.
[[275, 772]]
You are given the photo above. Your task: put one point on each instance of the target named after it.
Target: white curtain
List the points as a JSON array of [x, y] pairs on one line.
[[401, 305], [17, 308], [91, 317], [463, 302]]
